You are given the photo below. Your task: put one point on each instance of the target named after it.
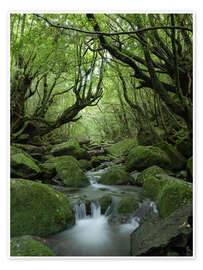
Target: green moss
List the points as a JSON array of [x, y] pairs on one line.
[[71, 148], [169, 192], [121, 148], [151, 171], [105, 202], [70, 173], [22, 164], [26, 246], [152, 185], [37, 209], [142, 157], [96, 161], [116, 175], [127, 205], [173, 195], [85, 164], [177, 159]]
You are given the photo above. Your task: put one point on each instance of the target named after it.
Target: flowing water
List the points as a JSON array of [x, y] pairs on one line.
[[94, 234]]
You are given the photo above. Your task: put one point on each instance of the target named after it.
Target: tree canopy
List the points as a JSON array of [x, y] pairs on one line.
[[121, 73]]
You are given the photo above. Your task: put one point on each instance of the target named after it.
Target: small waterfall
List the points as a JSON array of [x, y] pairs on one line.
[[95, 210], [80, 211]]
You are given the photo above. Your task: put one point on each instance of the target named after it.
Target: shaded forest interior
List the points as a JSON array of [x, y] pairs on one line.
[[114, 87]]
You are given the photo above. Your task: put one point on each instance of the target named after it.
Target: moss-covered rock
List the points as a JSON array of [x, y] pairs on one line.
[[190, 166], [27, 246], [71, 148], [96, 161], [121, 148], [115, 175], [105, 202], [69, 172], [151, 171], [178, 161], [142, 157], [127, 205], [22, 164], [38, 210], [169, 192], [173, 195], [85, 164]]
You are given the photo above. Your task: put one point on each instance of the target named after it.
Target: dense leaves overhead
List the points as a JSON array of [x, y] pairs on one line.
[[133, 71]]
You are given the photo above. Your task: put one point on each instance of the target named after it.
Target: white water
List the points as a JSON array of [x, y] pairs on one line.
[[92, 234]]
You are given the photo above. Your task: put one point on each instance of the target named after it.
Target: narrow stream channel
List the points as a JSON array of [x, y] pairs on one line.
[[94, 234]]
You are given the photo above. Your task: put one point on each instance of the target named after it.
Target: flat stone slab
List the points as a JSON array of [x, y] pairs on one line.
[[154, 236]]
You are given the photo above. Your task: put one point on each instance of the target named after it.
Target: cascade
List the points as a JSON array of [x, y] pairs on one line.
[[80, 211]]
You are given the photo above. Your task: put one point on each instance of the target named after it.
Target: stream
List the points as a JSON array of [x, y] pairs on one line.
[[97, 234]]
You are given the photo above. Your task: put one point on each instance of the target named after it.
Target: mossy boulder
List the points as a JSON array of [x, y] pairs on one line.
[[69, 172], [115, 175], [142, 157], [151, 171], [22, 164], [127, 205], [190, 166], [121, 148], [178, 161], [36, 209], [105, 202], [169, 192], [27, 246], [36, 152], [71, 148], [173, 195], [96, 161], [85, 164]]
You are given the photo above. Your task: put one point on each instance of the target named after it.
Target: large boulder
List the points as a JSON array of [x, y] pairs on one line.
[[151, 171], [22, 164], [142, 157], [69, 172], [28, 246], [171, 236], [71, 148], [121, 148], [127, 205], [178, 161], [38, 210], [169, 192], [115, 175], [85, 164], [36, 152]]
